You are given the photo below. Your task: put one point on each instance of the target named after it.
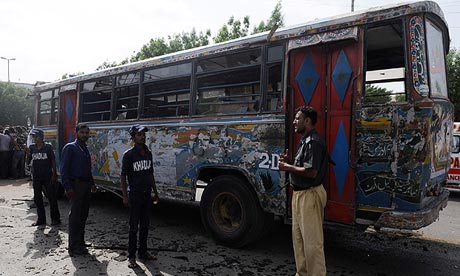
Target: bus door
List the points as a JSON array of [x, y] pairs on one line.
[[69, 117], [323, 76]]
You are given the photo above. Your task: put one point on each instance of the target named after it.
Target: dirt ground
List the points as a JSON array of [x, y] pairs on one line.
[[184, 248]]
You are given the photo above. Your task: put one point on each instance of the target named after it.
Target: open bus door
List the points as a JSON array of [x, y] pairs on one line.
[[323, 76], [69, 117]]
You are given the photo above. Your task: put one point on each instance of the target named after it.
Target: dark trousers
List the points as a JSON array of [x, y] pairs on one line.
[[4, 155], [17, 164], [79, 213], [139, 219], [44, 185]]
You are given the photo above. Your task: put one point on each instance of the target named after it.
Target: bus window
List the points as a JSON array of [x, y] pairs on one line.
[[247, 58], [45, 108], [96, 98], [167, 98], [229, 92], [126, 96], [273, 102], [49, 106], [167, 91], [436, 62], [385, 67]]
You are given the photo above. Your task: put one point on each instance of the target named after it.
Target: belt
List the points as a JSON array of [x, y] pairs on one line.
[[297, 188]]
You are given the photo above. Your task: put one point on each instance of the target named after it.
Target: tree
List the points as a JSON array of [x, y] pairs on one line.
[[453, 77], [276, 18], [16, 105], [235, 29], [174, 43], [232, 29], [375, 94]]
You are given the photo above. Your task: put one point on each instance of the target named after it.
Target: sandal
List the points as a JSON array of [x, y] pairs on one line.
[[132, 263]]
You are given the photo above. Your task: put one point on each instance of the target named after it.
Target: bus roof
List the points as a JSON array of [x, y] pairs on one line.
[[347, 20]]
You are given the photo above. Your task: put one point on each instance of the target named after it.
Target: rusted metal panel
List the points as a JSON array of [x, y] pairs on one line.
[[402, 154], [182, 149]]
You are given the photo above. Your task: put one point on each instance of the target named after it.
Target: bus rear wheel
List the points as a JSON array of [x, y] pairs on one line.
[[231, 212]]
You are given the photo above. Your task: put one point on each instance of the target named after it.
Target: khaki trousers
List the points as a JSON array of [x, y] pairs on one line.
[[307, 231]]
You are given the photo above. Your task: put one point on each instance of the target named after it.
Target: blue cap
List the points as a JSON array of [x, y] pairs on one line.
[[136, 129], [36, 131]]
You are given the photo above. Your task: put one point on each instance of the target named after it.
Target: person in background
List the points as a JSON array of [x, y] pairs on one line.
[[78, 183], [307, 175], [18, 157], [5, 145], [41, 155], [137, 166]]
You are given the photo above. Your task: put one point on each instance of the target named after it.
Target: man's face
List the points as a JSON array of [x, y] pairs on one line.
[[139, 137], [299, 122], [37, 138], [83, 134]]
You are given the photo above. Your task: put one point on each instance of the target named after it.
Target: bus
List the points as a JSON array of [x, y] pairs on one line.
[[222, 114], [453, 181]]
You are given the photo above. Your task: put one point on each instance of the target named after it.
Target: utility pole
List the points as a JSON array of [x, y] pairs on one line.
[[352, 5], [8, 60]]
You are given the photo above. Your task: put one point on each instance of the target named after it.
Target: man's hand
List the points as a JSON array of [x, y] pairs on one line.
[[125, 201], [70, 194], [155, 199], [93, 189], [54, 179]]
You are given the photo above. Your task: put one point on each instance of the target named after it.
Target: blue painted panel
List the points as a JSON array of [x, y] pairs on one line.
[[307, 79]]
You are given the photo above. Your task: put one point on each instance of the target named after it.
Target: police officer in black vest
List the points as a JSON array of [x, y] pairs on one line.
[[45, 176], [137, 166]]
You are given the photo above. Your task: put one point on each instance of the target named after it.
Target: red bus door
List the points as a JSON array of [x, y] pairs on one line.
[[322, 76], [69, 117]]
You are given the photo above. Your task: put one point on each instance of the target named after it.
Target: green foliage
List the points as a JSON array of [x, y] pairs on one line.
[[174, 43], [376, 95], [453, 77], [276, 18], [16, 107], [232, 29]]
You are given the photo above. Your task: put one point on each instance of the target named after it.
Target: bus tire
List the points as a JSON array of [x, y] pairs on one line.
[[230, 211]]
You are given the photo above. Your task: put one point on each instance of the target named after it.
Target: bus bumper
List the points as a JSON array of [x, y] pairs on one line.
[[414, 220]]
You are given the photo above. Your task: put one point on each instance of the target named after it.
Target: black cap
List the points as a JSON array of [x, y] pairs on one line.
[[36, 131], [136, 129]]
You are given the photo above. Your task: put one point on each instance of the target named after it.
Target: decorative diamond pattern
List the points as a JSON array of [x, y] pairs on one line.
[[70, 138], [69, 109], [307, 79], [340, 157], [341, 75]]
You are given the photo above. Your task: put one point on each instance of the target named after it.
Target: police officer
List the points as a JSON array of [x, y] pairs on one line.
[[41, 155], [137, 166], [307, 175], [78, 183]]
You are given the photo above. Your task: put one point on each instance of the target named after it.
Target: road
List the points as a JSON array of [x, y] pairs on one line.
[[184, 248]]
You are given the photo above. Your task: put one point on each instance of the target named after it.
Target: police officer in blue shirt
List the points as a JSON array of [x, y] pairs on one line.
[[45, 176], [137, 166], [78, 183]]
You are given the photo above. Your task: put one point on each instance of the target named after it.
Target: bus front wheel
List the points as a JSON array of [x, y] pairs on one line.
[[231, 212]]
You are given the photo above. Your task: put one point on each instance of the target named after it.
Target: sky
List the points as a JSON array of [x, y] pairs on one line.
[[49, 38]]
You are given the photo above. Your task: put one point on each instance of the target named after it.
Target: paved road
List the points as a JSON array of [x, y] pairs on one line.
[[184, 248]]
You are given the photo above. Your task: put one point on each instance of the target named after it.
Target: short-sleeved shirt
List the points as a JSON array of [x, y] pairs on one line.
[[312, 153], [41, 161], [5, 142], [138, 168]]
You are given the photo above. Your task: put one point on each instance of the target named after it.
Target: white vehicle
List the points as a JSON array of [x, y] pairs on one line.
[[453, 181]]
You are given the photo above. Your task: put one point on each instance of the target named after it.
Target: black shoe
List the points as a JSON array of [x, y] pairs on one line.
[[147, 257], [132, 263], [56, 222], [78, 251], [38, 223]]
